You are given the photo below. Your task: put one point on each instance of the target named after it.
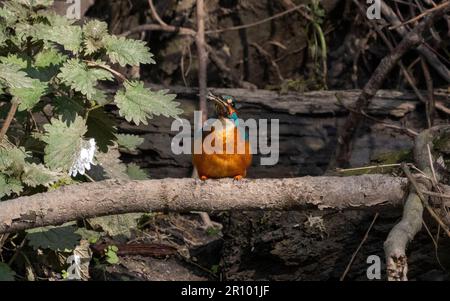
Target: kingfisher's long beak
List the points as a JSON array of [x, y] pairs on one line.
[[220, 104]]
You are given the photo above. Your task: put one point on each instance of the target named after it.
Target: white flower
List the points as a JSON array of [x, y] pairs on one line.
[[85, 158]]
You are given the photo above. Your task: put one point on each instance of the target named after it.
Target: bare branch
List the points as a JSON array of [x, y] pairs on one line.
[[185, 195]]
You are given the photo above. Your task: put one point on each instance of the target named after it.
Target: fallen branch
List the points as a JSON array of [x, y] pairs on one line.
[[411, 222], [185, 195], [385, 102]]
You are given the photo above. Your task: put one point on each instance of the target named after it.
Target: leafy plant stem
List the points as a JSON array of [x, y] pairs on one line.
[[323, 48], [117, 74]]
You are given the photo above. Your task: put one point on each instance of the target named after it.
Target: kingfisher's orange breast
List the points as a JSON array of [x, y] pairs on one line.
[[234, 159]]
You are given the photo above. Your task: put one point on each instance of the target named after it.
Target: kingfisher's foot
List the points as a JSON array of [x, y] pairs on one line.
[[238, 177], [203, 178]]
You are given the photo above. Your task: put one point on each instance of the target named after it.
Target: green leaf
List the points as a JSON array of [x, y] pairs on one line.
[[70, 37], [137, 103], [130, 142], [9, 185], [55, 19], [48, 57], [111, 257], [63, 142], [6, 274], [38, 175], [13, 77], [79, 77], [110, 166], [94, 31], [136, 173], [29, 97], [116, 226], [54, 238], [3, 35], [12, 160], [89, 235], [12, 11], [127, 51], [68, 108], [101, 128], [15, 60]]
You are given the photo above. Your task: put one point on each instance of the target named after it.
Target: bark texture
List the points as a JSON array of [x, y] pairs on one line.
[[183, 195]]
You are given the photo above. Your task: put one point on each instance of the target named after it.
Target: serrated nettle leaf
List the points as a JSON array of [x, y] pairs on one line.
[[9, 185], [109, 166], [137, 103], [100, 97], [13, 77], [3, 35], [70, 37], [136, 173], [94, 31], [90, 235], [15, 60], [116, 226], [102, 128], [29, 97], [130, 142], [6, 273], [83, 79], [38, 175], [127, 51], [13, 11], [55, 19], [91, 46], [68, 108], [12, 159], [48, 57], [54, 238], [64, 142]]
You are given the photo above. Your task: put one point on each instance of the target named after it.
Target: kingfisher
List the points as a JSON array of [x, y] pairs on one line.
[[231, 162]]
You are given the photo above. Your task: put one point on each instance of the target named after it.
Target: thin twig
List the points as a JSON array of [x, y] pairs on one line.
[[259, 22], [155, 15], [387, 124], [347, 269], [157, 27], [410, 40], [117, 74], [424, 199], [429, 106], [420, 16], [202, 58], [438, 105], [9, 119], [368, 167]]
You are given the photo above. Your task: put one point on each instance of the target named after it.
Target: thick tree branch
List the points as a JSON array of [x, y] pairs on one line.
[[184, 195]]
